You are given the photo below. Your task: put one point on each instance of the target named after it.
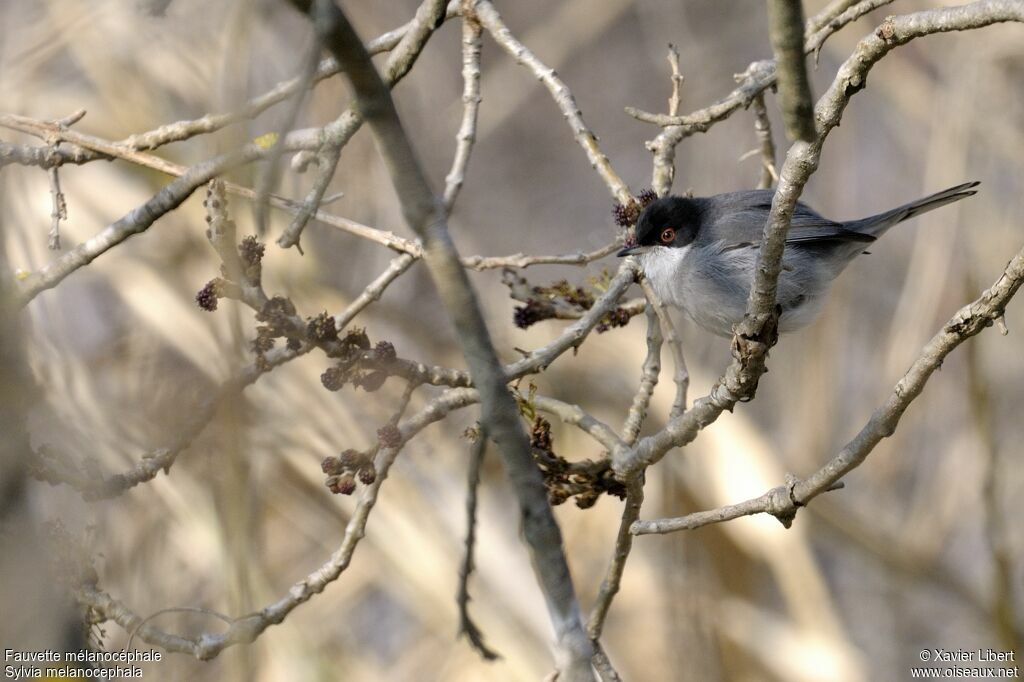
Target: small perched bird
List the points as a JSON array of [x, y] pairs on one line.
[[699, 253]]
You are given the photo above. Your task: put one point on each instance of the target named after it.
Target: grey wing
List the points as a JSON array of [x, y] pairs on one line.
[[742, 216], [808, 227]]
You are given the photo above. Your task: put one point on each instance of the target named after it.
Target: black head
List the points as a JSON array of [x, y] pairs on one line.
[[669, 221]]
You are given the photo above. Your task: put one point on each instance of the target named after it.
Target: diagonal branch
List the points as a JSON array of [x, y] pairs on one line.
[[491, 20], [426, 217]]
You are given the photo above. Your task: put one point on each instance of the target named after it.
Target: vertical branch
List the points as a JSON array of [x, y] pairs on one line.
[[471, 47], [623, 545], [426, 217], [677, 80], [786, 26], [466, 625], [681, 376], [648, 379], [60, 209], [763, 128]]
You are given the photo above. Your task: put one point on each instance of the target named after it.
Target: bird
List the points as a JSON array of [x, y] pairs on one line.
[[699, 253]]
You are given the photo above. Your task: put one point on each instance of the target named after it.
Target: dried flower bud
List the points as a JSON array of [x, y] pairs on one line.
[[557, 496], [540, 435], [646, 197], [344, 484], [332, 466], [264, 340], [251, 250], [275, 309], [367, 474], [333, 378], [207, 296], [357, 338], [321, 328], [385, 350], [352, 459], [620, 215], [587, 500], [530, 314]]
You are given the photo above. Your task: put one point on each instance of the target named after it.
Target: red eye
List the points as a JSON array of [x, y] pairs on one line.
[[668, 235]]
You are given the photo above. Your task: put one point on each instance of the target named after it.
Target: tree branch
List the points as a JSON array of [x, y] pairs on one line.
[[500, 413], [786, 27]]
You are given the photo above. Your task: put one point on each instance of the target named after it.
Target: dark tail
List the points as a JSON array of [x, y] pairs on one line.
[[878, 224]]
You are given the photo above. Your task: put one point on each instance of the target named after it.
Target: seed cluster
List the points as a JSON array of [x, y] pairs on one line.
[[343, 470]]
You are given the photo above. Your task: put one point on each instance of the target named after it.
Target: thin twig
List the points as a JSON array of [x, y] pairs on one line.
[[648, 380], [758, 77], [336, 135], [681, 375], [763, 128], [466, 625], [471, 48], [617, 564], [60, 209], [184, 130], [853, 11], [491, 20], [271, 174], [677, 80]]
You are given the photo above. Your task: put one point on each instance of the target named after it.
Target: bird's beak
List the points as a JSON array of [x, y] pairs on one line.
[[634, 250]]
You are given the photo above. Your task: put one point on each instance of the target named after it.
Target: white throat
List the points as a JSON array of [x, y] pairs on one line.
[[663, 267]]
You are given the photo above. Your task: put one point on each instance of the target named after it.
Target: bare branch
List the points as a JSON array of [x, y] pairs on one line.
[[617, 564], [471, 48], [763, 127], [491, 20], [136, 221], [60, 209], [851, 12], [466, 625], [500, 413], [786, 27], [520, 260], [758, 77], [648, 380], [681, 375], [43, 156], [336, 135], [183, 130], [677, 80], [588, 424]]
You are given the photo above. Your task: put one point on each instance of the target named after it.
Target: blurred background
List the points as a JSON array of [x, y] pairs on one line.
[[919, 550]]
